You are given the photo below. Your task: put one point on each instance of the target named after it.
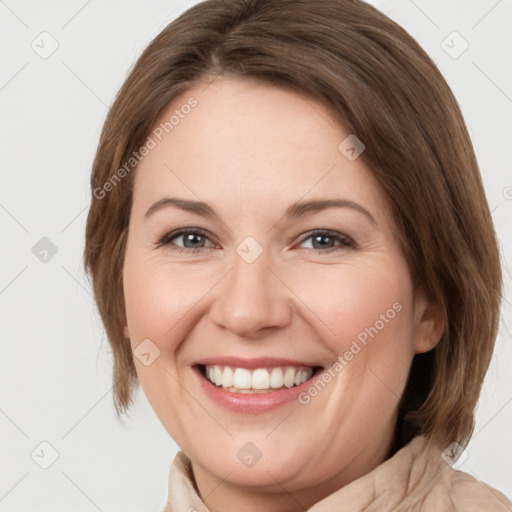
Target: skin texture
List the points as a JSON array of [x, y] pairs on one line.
[[250, 150]]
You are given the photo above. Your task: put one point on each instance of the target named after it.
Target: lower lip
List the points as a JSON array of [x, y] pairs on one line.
[[252, 403]]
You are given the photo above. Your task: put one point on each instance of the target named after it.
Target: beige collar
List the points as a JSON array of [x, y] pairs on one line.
[[415, 478]]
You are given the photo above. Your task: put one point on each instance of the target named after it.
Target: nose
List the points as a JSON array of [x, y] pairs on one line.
[[250, 298]]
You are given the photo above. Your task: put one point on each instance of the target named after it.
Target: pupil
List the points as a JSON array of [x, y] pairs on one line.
[[321, 238], [190, 238]]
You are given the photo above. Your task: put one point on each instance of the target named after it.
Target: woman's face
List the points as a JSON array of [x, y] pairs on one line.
[[236, 280]]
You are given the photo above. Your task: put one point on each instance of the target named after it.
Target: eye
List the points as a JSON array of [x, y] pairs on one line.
[[320, 240], [193, 240]]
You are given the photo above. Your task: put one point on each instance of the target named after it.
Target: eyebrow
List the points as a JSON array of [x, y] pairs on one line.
[[295, 210]]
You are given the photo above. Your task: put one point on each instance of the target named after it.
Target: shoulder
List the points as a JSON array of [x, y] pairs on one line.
[[431, 483], [467, 493]]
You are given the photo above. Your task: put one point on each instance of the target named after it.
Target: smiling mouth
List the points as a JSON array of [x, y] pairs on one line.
[[257, 380]]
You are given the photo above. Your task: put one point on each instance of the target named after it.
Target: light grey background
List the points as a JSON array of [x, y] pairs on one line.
[[56, 362]]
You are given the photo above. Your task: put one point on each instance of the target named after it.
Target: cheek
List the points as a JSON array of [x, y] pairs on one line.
[[357, 302], [362, 312], [160, 299], [368, 311]]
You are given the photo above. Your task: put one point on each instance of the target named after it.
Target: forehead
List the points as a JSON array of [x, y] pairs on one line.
[[258, 143]]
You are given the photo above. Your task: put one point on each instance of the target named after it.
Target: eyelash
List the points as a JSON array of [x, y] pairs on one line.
[[346, 242]]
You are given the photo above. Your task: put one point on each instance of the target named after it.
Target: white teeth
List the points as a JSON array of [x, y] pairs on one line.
[[217, 373], [260, 379], [242, 380], [227, 377], [276, 378], [289, 377]]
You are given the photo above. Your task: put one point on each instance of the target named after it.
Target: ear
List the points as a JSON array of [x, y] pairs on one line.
[[429, 323], [126, 332]]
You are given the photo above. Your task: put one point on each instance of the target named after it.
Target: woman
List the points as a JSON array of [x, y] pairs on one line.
[[292, 252]]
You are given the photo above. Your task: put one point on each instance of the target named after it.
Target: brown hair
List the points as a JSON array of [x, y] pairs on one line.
[[381, 86]]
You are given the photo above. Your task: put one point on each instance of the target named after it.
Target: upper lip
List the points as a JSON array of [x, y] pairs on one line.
[[257, 362]]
